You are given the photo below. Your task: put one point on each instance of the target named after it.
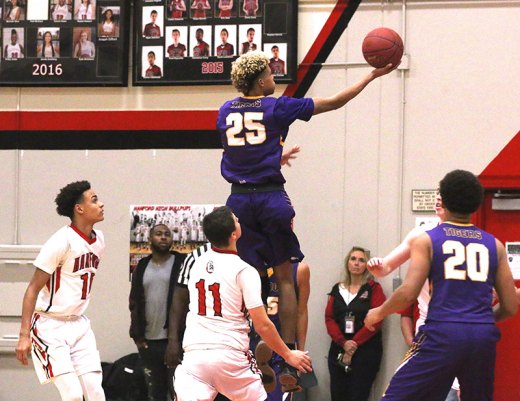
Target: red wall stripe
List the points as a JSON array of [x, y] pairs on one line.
[[318, 44], [129, 120], [8, 120]]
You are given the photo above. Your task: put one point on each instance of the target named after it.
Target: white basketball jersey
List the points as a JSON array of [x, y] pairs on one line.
[[72, 260], [13, 52], [423, 300], [222, 287], [61, 10]]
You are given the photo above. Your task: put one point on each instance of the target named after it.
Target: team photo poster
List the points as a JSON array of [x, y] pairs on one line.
[[193, 42], [184, 222], [63, 42]]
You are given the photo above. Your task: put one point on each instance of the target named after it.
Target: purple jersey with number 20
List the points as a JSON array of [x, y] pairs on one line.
[[253, 131]]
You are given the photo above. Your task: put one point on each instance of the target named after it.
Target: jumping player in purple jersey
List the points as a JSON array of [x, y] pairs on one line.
[[463, 264], [253, 129]]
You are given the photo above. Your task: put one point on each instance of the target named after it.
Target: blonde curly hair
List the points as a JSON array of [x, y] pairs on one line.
[[247, 68]]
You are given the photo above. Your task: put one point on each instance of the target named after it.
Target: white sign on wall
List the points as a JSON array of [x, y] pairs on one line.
[[513, 257], [423, 200]]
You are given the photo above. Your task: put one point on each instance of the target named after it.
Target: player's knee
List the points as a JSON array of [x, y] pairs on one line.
[[72, 394], [69, 387], [96, 395], [92, 388]]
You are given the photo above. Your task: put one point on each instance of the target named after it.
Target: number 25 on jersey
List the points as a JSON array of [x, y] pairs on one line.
[[252, 122]]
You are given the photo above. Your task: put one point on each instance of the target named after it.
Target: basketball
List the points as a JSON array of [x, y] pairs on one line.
[[382, 46]]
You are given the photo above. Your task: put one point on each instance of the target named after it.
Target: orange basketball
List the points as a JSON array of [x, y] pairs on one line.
[[382, 46]]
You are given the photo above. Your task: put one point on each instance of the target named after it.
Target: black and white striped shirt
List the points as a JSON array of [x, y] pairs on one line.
[[184, 274]]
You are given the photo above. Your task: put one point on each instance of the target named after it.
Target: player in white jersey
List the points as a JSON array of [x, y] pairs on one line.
[[63, 345], [146, 233], [381, 267], [13, 50], [193, 231], [200, 237], [184, 233], [217, 289]]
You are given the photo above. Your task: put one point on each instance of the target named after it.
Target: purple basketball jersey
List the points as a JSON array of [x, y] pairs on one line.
[[253, 131], [462, 274]]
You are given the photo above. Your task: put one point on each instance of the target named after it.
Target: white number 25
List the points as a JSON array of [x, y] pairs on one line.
[[475, 255], [251, 121]]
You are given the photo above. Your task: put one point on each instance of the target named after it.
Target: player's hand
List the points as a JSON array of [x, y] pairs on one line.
[[289, 155], [173, 354], [376, 267], [22, 349], [300, 360], [378, 72], [372, 318]]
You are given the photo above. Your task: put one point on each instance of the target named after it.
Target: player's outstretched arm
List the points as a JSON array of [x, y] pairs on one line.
[[39, 279], [176, 326], [505, 287], [267, 330], [381, 267], [408, 292], [324, 104]]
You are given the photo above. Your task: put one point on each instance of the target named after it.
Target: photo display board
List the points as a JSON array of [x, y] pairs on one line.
[[64, 42], [194, 42]]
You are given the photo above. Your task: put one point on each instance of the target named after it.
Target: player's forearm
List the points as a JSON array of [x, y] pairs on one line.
[[176, 328], [322, 105], [396, 257], [400, 299], [28, 306]]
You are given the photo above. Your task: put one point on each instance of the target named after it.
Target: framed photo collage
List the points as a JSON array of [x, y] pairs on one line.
[[64, 42], [175, 42]]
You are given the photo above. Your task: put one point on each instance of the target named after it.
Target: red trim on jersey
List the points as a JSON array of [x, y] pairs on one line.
[[58, 279], [50, 373], [35, 317], [218, 250], [82, 234], [40, 348]]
